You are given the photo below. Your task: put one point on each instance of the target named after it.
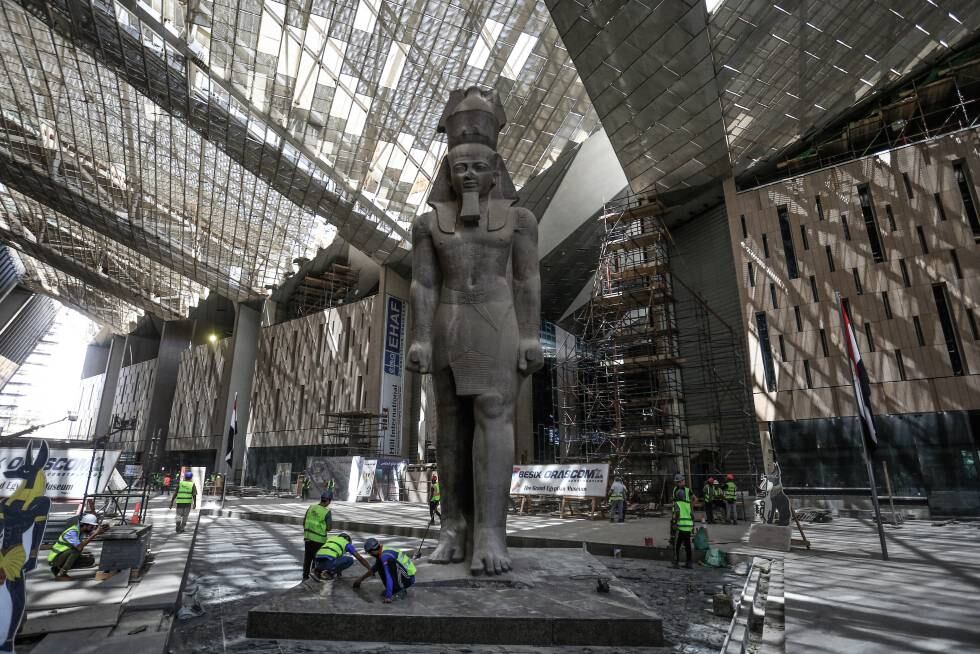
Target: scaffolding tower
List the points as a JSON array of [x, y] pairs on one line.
[[648, 363]]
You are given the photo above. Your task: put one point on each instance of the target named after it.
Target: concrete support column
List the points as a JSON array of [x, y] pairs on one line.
[[236, 378], [103, 419], [175, 338]]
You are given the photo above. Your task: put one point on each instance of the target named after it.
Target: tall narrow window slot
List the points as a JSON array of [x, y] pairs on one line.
[[830, 258], [816, 201], [806, 373], [813, 288], [891, 218], [823, 342], [745, 231], [965, 183], [901, 365], [908, 185], [956, 264], [751, 273], [952, 338], [765, 246], [871, 222], [905, 273], [782, 348], [806, 242], [772, 294], [939, 207], [887, 303], [787, 233], [871, 340], [857, 281], [922, 239], [919, 337], [765, 347], [847, 229], [799, 319]]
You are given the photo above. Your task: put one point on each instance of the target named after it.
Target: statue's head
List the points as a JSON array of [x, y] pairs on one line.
[[472, 169]]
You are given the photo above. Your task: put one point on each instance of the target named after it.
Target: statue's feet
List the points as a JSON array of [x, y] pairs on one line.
[[452, 543], [490, 552]]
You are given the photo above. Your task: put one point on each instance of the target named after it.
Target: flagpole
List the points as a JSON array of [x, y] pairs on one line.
[[231, 437], [845, 323]]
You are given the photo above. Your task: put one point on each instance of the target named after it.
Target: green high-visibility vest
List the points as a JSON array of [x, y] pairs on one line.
[[730, 491], [436, 492], [333, 547], [685, 519], [62, 544], [185, 493], [315, 523], [404, 562]]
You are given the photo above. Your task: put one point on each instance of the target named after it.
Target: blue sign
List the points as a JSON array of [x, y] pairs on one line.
[[394, 334]]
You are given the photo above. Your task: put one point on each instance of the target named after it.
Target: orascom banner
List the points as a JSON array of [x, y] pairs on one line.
[[569, 480], [65, 472]]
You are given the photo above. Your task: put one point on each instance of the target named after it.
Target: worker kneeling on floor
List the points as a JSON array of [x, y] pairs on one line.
[[68, 552], [332, 560], [395, 567]]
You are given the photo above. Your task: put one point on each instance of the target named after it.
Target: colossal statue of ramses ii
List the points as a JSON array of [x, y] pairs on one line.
[[476, 304]]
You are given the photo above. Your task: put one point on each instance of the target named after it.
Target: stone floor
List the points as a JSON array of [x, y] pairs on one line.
[[237, 563], [840, 597]]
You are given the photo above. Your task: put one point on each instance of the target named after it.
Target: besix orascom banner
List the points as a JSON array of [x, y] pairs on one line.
[[65, 472], [569, 480]]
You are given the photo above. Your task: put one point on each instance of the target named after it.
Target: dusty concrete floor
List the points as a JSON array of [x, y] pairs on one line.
[[237, 563]]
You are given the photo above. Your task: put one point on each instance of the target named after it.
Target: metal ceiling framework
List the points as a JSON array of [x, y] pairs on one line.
[[688, 97], [153, 151], [225, 140]]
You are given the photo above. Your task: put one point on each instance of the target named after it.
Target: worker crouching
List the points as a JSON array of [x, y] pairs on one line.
[[68, 552], [395, 568], [332, 559]]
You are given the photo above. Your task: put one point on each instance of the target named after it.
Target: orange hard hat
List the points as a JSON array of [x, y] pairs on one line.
[[730, 477]]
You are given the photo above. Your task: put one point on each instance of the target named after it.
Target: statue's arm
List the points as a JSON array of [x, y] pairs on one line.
[[527, 289], [426, 281]]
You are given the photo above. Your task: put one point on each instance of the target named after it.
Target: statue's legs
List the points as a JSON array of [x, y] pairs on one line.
[[493, 458], [454, 448]]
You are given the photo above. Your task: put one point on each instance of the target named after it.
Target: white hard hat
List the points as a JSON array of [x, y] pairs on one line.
[[89, 519]]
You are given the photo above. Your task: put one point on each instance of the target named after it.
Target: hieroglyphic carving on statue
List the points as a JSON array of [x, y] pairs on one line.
[[476, 301]]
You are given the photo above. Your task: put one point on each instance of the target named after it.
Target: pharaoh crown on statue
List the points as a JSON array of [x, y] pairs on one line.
[[472, 116]]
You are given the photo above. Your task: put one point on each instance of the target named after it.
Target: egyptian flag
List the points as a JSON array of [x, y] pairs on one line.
[[232, 430], [859, 378]]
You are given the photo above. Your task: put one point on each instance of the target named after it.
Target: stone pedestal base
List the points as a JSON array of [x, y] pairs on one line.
[[549, 598], [770, 537]]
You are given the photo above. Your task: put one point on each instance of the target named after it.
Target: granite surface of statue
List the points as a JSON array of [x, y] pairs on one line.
[[475, 303]]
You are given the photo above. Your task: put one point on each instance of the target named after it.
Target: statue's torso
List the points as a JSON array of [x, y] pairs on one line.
[[475, 329]]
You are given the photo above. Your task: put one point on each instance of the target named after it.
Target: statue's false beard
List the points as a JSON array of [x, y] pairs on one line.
[[469, 212]]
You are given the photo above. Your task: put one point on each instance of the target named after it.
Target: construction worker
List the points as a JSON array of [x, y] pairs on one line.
[[682, 521], [435, 496], [617, 501], [68, 552], [396, 569], [185, 497], [731, 498], [332, 559], [305, 485], [708, 497], [316, 524]]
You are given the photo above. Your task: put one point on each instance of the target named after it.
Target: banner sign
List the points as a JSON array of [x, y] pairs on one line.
[[570, 480], [365, 487], [66, 471], [392, 376]]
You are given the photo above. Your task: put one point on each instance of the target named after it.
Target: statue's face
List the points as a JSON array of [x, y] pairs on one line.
[[471, 167]]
